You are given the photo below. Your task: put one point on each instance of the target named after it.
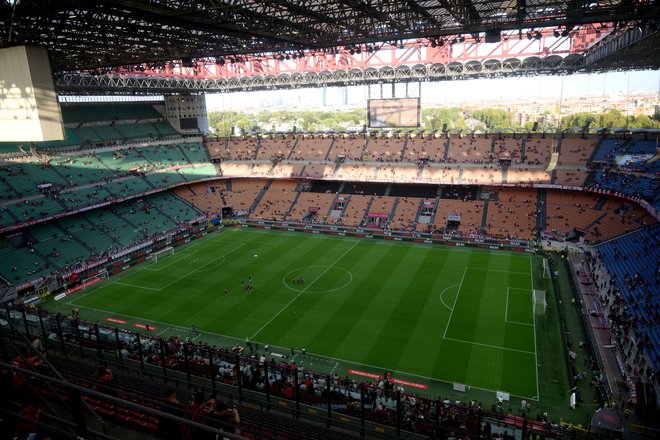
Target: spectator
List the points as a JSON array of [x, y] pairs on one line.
[[224, 418], [170, 429], [194, 412]]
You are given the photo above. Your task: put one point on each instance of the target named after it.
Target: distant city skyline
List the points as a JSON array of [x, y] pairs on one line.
[[445, 93]]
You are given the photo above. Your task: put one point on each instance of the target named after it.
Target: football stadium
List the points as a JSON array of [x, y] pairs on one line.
[[169, 272]]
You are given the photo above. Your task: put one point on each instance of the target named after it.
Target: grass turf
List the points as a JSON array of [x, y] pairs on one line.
[[425, 313]]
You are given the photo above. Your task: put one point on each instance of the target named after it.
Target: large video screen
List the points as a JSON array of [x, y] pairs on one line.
[[397, 112], [188, 123]]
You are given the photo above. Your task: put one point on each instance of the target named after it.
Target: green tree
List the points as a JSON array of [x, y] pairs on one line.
[[493, 118]]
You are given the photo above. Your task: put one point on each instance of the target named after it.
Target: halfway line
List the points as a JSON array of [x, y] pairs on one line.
[[304, 290]]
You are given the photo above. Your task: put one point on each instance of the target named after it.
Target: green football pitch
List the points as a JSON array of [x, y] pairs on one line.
[[429, 314]]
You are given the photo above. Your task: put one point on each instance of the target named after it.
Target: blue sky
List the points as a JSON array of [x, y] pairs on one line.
[[447, 92]]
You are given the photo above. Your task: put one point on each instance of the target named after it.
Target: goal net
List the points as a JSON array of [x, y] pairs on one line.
[[162, 253], [539, 302], [102, 275]]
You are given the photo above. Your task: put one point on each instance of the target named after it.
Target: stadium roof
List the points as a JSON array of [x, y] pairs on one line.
[[85, 34]]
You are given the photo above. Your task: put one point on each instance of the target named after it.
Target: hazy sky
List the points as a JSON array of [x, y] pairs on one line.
[[447, 92]]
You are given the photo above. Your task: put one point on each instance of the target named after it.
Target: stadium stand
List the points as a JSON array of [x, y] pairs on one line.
[[356, 172], [234, 169], [384, 149], [288, 169], [482, 175], [576, 151], [72, 240], [628, 184], [355, 210], [276, 147], [237, 149], [508, 148], [526, 175], [398, 173], [475, 149], [570, 177], [425, 147], [261, 169], [512, 215], [608, 149], [439, 173], [537, 151], [205, 196], [470, 213], [311, 148], [277, 201], [628, 279], [380, 211], [312, 207], [319, 171], [406, 213], [350, 148], [242, 193]]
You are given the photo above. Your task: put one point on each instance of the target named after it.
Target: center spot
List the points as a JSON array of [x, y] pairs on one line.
[[317, 279]]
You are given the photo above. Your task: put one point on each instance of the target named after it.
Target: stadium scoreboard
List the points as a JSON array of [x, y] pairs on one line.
[[393, 112]]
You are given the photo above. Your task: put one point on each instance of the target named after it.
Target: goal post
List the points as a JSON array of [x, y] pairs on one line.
[[546, 268], [162, 253], [540, 303]]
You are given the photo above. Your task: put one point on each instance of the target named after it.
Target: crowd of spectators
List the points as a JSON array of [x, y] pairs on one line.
[[627, 277], [278, 372]]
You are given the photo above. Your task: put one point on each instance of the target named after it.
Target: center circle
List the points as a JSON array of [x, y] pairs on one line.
[[304, 279]]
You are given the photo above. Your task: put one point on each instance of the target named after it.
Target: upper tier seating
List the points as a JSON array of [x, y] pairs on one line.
[[235, 149], [538, 151], [576, 151], [608, 149], [422, 147], [508, 148], [275, 147], [350, 148], [308, 148], [384, 149], [469, 149]]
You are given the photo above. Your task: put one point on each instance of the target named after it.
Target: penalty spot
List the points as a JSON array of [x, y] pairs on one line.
[[255, 255]]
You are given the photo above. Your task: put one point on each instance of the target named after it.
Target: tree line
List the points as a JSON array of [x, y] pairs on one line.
[[228, 123]]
